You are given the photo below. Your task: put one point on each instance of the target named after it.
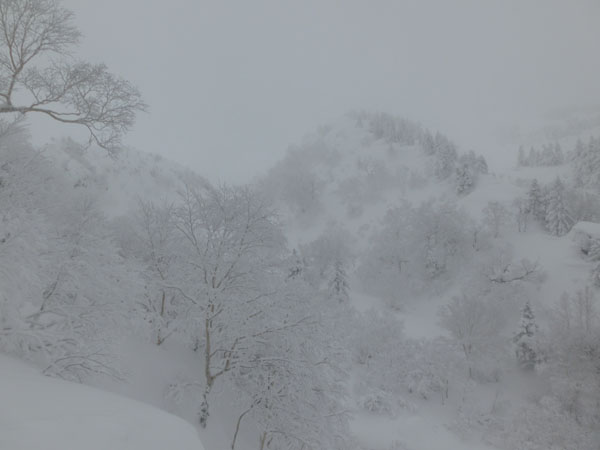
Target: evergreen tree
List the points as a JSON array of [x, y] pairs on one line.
[[536, 201], [558, 218], [445, 157], [586, 162], [464, 180], [296, 265], [526, 351], [338, 287], [482, 166]]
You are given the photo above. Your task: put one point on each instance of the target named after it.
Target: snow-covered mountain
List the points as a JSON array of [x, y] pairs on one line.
[[398, 299]]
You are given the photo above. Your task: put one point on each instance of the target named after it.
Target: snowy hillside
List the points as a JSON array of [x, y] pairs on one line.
[[378, 279], [117, 181], [385, 285], [346, 191], [43, 413]]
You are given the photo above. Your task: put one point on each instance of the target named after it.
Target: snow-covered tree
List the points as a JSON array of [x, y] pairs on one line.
[[293, 384], [558, 217], [151, 239], [468, 168], [549, 155], [501, 268], [445, 157], [66, 291], [586, 163], [525, 339], [543, 425], [296, 265], [537, 202], [473, 321], [393, 129], [233, 243], [482, 166], [338, 285], [333, 246], [415, 248], [393, 367], [584, 205], [572, 354], [294, 183], [464, 180]]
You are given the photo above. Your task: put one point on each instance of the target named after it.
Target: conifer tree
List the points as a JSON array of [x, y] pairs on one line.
[[296, 265], [481, 165], [558, 218], [527, 355], [536, 201], [586, 162], [338, 287], [464, 180]]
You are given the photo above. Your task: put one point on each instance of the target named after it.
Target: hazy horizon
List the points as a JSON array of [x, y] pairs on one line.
[[231, 84]]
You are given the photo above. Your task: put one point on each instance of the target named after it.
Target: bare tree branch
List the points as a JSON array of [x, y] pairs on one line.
[[69, 92]]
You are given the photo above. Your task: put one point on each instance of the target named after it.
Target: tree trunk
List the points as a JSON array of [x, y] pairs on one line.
[[159, 338], [203, 414], [237, 427], [207, 375], [263, 440]]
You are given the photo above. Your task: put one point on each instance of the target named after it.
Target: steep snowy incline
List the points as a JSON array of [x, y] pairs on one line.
[[43, 413]]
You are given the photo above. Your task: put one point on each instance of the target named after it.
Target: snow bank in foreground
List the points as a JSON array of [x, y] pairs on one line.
[[43, 413]]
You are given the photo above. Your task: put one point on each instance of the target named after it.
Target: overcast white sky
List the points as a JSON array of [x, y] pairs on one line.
[[231, 83]]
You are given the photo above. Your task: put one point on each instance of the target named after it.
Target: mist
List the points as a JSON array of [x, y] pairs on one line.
[[232, 84], [316, 225]]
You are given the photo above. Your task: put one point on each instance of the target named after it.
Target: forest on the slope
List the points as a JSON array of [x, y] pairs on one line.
[[376, 289], [375, 272]]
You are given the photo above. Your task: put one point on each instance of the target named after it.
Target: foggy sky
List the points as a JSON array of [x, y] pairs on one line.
[[231, 83]]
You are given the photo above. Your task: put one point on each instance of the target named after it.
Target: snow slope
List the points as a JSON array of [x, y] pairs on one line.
[[118, 182], [43, 413], [359, 179]]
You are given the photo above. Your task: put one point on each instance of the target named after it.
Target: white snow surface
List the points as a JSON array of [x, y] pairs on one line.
[[41, 413], [589, 228]]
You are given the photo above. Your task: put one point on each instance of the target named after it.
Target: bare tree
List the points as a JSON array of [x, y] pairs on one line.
[[39, 75]]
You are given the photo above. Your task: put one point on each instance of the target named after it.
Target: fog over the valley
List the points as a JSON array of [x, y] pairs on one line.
[[232, 84], [300, 225]]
